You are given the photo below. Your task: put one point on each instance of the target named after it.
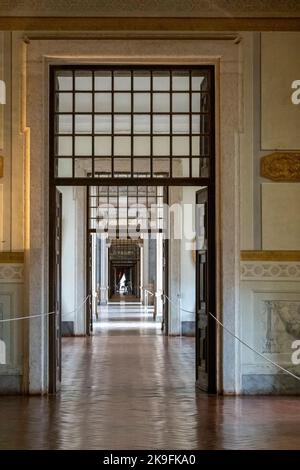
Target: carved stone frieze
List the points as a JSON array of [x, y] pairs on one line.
[[11, 273], [270, 271]]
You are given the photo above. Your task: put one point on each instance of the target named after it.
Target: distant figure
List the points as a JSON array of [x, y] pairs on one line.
[[122, 283]]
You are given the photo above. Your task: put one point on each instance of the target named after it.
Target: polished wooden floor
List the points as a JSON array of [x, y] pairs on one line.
[[129, 387]]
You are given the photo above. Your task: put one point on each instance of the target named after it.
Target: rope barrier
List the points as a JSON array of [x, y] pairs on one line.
[[29, 317], [240, 340], [148, 291], [46, 314]]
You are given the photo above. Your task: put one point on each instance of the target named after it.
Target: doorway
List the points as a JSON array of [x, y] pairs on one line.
[[143, 127]]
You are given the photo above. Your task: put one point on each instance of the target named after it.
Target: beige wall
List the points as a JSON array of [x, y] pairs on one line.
[[270, 216], [281, 216], [11, 147], [280, 66]]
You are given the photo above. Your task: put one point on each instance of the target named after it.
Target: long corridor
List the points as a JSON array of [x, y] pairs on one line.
[[130, 387]]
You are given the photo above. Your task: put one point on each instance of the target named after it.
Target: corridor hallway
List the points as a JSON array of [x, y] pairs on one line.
[[130, 387]]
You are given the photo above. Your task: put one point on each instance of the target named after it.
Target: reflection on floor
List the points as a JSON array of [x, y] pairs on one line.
[[133, 388], [132, 317]]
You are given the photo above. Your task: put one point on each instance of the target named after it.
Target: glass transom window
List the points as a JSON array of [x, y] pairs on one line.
[[131, 123]]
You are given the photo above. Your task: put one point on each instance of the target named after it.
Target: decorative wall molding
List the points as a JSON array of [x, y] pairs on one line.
[[144, 23], [11, 273], [152, 8], [133, 35], [270, 271], [270, 255], [281, 166]]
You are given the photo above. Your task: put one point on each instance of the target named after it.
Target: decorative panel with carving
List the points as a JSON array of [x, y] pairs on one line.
[[281, 166]]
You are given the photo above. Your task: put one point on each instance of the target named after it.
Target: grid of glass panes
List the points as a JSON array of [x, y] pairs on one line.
[[126, 210], [132, 123]]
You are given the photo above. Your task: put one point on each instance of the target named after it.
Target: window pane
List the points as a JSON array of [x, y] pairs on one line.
[[64, 102], [141, 166], [83, 146], [122, 124], [181, 145], [83, 80], [141, 146], [195, 145], [64, 146], [83, 102], [196, 102], [122, 146], [141, 102], [102, 167], [161, 146], [122, 80], [180, 81], [122, 166], [180, 167], [83, 124], [102, 102], [103, 81], [64, 80], [141, 81], [161, 102], [161, 167], [103, 124], [161, 81], [64, 168], [64, 124], [196, 124], [122, 102], [83, 167], [181, 124], [141, 124], [204, 167], [199, 81], [102, 146], [195, 167], [161, 124], [180, 102]]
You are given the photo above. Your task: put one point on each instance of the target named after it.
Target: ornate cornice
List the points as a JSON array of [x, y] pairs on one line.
[[281, 166]]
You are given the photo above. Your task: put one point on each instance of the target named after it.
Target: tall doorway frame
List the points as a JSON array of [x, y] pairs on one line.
[[208, 182]]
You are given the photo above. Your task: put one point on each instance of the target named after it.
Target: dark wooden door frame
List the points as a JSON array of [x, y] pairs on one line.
[[54, 320], [89, 287], [210, 294]]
